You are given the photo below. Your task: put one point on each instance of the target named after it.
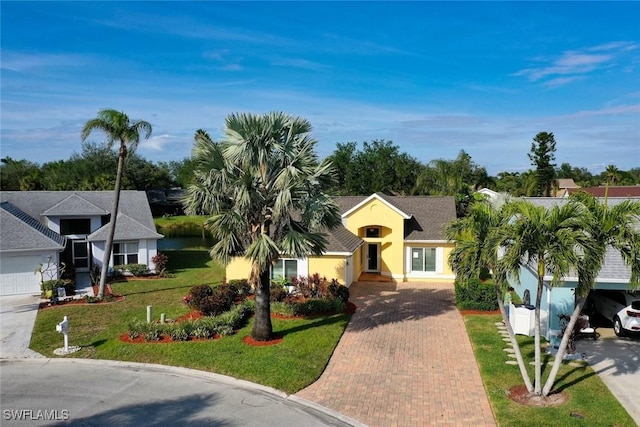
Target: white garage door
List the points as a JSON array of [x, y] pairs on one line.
[[17, 275]]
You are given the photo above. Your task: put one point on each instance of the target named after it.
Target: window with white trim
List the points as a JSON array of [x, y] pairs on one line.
[[284, 269], [125, 253], [423, 259]]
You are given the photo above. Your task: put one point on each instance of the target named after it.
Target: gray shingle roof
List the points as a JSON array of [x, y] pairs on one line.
[[20, 231], [342, 240], [134, 220], [429, 214], [127, 228], [614, 267], [74, 205], [132, 203]]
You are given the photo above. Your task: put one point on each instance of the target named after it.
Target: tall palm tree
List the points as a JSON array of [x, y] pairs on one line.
[[546, 239], [476, 248], [118, 129], [615, 227], [613, 175], [265, 194]]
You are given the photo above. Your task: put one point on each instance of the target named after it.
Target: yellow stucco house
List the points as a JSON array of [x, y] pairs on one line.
[[392, 237]]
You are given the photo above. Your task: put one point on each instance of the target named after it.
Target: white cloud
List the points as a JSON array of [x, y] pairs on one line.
[[573, 65]]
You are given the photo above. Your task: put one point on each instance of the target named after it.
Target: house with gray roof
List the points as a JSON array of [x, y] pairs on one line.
[[51, 227], [382, 237], [560, 299]]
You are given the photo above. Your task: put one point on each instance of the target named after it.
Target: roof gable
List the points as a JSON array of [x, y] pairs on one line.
[[127, 228], [74, 205], [376, 196]]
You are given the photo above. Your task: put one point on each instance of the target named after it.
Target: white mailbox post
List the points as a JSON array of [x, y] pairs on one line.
[[63, 328]]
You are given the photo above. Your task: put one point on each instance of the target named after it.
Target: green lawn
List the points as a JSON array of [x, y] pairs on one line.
[[289, 366], [589, 401]]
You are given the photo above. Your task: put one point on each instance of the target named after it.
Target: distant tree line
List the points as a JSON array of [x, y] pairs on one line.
[[360, 169]]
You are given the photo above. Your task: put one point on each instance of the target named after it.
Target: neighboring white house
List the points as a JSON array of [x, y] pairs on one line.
[[49, 227]]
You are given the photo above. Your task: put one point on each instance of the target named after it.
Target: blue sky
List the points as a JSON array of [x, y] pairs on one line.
[[435, 78]]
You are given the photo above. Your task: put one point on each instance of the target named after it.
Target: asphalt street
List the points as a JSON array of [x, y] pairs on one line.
[[82, 392]]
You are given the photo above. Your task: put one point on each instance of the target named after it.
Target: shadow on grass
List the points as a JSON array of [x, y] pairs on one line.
[[560, 379], [182, 260], [315, 324]]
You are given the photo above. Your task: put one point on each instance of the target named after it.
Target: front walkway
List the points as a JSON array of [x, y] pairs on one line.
[[404, 360]]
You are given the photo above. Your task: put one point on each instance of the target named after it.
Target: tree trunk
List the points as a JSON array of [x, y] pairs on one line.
[[563, 346], [262, 328], [537, 390], [514, 343], [108, 246]]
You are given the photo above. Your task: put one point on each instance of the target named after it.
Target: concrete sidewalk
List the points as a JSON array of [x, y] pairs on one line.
[[404, 360], [17, 316]]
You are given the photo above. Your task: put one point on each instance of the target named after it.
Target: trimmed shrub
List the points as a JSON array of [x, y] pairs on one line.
[[336, 290], [215, 304], [242, 285], [137, 270], [198, 294], [475, 295], [227, 291]]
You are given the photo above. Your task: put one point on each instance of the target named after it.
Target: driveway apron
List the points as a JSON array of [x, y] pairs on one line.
[[404, 360]]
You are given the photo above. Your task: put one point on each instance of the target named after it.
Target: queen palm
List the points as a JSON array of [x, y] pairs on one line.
[[118, 129], [265, 194], [476, 249], [614, 227], [547, 240]]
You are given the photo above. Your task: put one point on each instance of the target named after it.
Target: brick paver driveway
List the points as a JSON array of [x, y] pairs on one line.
[[404, 360]]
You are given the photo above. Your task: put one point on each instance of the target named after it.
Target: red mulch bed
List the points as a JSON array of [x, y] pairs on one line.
[[81, 301], [164, 340], [195, 314], [520, 394], [277, 339], [465, 312]]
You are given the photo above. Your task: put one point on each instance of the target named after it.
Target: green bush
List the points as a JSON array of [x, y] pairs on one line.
[[179, 331], [475, 295], [308, 307]]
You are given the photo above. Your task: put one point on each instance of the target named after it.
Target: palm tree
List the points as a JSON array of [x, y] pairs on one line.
[[614, 227], [476, 249], [265, 194], [546, 239], [613, 175], [118, 128]]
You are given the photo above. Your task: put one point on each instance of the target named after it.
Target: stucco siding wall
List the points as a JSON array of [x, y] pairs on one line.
[[238, 268], [377, 214], [329, 266]]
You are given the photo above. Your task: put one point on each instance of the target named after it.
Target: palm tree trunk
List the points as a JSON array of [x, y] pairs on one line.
[[262, 328], [537, 391], [514, 343], [108, 246], [563, 346]]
